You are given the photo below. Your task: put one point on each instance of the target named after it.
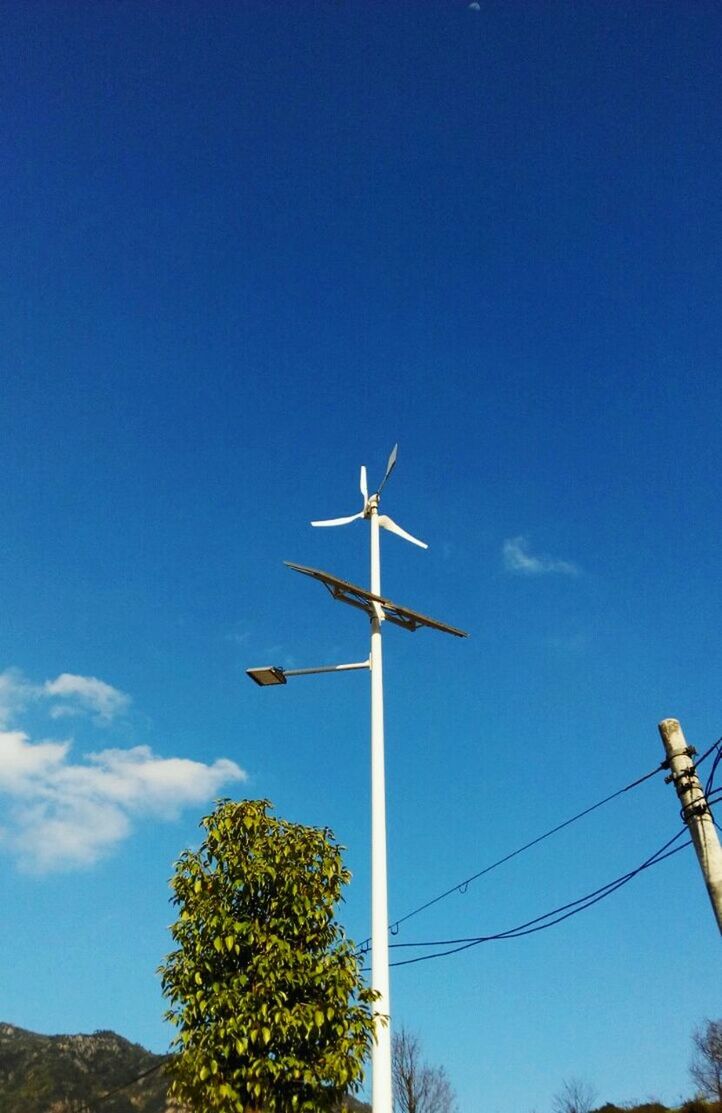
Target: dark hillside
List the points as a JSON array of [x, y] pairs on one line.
[[68, 1074], [693, 1106]]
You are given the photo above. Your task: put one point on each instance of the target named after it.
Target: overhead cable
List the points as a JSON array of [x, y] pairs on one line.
[[461, 886], [548, 919], [124, 1085], [705, 755], [718, 757]]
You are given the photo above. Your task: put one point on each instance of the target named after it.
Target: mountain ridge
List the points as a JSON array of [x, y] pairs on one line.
[[69, 1073], [85, 1072]]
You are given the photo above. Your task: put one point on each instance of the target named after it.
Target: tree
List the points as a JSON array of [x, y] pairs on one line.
[[265, 989], [706, 1065], [418, 1088], [575, 1096]]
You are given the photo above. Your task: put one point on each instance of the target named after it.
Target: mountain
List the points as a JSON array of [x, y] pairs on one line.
[[694, 1105], [67, 1074], [80, 1074]]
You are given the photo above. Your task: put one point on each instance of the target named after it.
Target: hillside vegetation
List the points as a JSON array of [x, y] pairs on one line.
[[69, 1074], [695, 1105]]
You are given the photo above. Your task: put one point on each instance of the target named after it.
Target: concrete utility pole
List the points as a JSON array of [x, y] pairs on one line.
[[695, 810]]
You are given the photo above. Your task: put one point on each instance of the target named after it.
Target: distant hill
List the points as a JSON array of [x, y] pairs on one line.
[[694, 1105], [69, 1074]]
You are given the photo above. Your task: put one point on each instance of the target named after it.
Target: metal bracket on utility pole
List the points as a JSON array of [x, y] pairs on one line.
[[695, 810]]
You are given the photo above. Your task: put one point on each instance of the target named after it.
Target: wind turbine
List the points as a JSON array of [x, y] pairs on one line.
[[370, 507], [378, 609]]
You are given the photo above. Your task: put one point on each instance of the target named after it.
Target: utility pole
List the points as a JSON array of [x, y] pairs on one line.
[[695, 810]]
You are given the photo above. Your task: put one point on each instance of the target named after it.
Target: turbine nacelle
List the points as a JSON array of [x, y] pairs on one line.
[[371, 503]]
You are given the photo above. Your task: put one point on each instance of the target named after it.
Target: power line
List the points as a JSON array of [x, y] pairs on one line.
[[705, 755], [461, 886], [548, 919], [718, 757], [124, 1085], [596, 894], [563, 912]]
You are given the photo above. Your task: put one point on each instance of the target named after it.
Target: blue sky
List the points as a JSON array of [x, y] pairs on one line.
[[246, 249]]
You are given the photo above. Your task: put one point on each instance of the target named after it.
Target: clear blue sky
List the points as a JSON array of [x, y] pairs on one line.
[[246, 247]]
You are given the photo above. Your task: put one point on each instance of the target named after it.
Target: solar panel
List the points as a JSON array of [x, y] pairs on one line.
[[359, 597]]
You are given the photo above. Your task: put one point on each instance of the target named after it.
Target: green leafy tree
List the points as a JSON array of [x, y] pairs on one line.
[[265, 989]]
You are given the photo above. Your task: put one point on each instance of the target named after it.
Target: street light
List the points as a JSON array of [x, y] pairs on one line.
[[379, 610], [267, 675]]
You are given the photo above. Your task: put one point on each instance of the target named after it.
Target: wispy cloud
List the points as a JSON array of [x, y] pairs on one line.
[[85, 693], [68, 694], [518, 559], [64, 812], [15, 693]]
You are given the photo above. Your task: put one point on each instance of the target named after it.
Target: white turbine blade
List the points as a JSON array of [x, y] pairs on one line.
[[389, 467], [339, 521], [390, 525], [364, 485]]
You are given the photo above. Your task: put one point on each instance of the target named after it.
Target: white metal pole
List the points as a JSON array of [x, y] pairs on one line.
[[382, 1100]]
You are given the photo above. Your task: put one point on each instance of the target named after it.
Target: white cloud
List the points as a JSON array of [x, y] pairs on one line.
[[85, 693], [62, 812], [72, 695], [21, 762], [50, 837], [517, 558]]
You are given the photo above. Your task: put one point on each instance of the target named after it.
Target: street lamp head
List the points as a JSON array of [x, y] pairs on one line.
[[269, 674]]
